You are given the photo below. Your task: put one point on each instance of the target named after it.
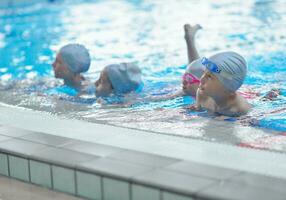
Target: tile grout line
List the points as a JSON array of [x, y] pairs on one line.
[[101, 187], [75, 183], [8, 164], [161, 194], [8, 161], [130, 191], [52, 179], [29, 170]]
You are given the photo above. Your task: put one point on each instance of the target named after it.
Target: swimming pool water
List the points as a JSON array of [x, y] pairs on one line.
[[149, 33]]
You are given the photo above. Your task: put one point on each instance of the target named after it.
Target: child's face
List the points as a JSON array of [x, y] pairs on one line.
[[210, 85], [103, 85], [60, 68]]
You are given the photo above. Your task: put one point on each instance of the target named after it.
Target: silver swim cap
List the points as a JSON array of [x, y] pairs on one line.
[[124, 77], [76, 57], [229, 67]]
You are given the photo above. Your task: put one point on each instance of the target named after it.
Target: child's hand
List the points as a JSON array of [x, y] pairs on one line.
[[193, 107]]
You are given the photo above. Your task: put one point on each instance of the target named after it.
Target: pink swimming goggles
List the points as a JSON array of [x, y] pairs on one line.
[[190, 78]]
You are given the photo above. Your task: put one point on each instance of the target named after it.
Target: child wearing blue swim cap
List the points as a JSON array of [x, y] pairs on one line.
[[74, 59], [71, 61], [118, 79]]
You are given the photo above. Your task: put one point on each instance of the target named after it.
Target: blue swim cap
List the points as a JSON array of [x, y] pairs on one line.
[[76, 57], [124, 77]]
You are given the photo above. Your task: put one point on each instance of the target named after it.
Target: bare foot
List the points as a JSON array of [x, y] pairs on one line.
[[190, 31]]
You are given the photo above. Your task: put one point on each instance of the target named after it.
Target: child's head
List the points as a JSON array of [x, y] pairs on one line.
[[118, 78], [191, 77], [224, 72], [72, 59]]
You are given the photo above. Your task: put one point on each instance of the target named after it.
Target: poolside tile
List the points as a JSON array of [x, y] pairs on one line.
[[3, 138], [41, 173], [174, 181], [237, 191], [91, 148], [203, 170], [63, 179], [19, 168], [13, 132], [173, 196], [141, 158], [260, 181], [115, 190], [4, 164], [115, 168], [88, 185], [140, 192], [21, 147], [47, 139], [62, 156]]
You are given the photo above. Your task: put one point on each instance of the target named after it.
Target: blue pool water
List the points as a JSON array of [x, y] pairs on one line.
[[149, 33]]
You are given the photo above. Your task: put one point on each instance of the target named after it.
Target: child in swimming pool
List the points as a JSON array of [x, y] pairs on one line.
[[71, 61], [118, 79], [74, 59], [214, 81], [224, 74]]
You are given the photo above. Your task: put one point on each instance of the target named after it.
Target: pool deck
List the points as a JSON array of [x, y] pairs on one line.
[[97, 161]]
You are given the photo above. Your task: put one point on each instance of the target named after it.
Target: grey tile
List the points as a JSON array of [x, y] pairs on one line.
[[140, 192], [174, 181], [115, 168], [91, 148], [47, 139], [88, 185], [41, 173], [260, 181], [141, 158], [173, 196], [62, 156], [115, 189], [4, 138], [63, 179], [14, 132], [203, 170], [4, 164], [21, 147], [19, 168], [227, 190], [11, 189]]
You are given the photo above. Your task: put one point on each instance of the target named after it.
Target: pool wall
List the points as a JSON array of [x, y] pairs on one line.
[[98, 161]]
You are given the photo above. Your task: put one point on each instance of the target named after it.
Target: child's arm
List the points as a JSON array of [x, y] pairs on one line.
[[166, 97]]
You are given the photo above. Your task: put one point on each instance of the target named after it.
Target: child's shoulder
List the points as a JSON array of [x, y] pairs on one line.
[[240, 105]]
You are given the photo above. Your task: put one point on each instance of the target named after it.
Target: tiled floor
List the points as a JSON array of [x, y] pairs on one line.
[[11, 189]]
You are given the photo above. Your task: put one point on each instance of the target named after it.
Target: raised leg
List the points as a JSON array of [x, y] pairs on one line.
[[190, 32]]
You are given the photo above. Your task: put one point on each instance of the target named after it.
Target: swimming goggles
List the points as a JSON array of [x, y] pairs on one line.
[[214, 68], [190, 78]]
